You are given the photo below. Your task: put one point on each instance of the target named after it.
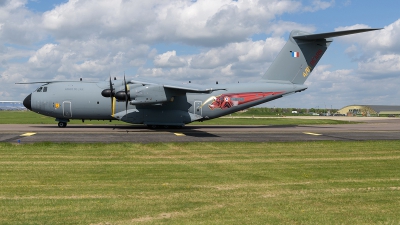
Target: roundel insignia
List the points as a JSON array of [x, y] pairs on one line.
[[57, 105], [227, 99]]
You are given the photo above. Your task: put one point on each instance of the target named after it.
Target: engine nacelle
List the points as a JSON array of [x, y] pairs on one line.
[[107, 93], [149, 94]]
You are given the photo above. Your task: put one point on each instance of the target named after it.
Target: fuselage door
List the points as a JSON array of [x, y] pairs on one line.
[[197, 110], [67, 111]]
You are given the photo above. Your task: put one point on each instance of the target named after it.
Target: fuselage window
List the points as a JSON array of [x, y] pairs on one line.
[[39, 89], [45, 89]]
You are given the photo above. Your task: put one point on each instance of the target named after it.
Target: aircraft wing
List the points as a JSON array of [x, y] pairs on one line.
[[49, 82], [186, 87]]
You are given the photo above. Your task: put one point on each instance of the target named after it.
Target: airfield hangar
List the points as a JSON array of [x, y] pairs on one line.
[[11, 106], [370, 110]]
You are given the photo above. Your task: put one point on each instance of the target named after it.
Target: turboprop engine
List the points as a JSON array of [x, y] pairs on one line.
[[148, 94]]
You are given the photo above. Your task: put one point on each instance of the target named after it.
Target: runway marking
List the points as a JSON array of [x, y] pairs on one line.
[[179, 134], [27, 134], [309, 133]]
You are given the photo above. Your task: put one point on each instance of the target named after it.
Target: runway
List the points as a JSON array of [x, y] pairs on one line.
[[371, 129]]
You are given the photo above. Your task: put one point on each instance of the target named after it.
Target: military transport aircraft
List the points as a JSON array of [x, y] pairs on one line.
[[167, 103]]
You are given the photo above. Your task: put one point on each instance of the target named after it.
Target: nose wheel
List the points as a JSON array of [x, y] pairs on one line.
[[62, 124]]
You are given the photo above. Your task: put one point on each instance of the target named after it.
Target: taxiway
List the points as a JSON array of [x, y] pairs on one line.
[[369, 129]]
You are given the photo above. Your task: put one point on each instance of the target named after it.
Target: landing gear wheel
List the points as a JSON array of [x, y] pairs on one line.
[[62, 124]]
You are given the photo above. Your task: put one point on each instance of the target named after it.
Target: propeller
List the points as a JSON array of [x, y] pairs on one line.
[[110, 93], [127, 93], [112, 96], [123, 95]]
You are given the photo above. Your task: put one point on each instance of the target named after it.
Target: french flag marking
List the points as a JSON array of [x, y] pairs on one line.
[[295, 54]]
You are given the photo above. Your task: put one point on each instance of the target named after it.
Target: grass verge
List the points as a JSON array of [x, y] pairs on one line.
[[201, 183]]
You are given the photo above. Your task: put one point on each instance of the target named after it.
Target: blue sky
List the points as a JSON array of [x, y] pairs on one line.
[[42, 5], [200, 41]]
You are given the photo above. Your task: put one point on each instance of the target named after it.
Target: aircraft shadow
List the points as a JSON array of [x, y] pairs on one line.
[[141, 127], [237, 126], [187, 131]]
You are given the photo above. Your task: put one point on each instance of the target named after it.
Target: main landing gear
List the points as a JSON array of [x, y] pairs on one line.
[[62, 124]]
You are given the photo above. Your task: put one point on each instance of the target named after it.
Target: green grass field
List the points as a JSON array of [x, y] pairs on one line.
[[28, 117], [201, 183]]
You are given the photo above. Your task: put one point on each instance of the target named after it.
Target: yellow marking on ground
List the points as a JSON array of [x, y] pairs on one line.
[[315, 134], [179, 134], [27, 134]]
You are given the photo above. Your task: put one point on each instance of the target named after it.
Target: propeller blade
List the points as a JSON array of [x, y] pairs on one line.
[[112, 106], [112, 96], [126, 96]]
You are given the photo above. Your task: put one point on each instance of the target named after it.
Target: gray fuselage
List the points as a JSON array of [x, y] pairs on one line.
[[83, 100]]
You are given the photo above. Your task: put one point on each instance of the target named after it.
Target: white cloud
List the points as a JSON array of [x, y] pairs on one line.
[[352, 50], [378, 52], [279, 28], [169, 59], [381, 66], [243, 52], [45, 56], [245, 61], [18, 25], [319, 5], [385, 40], [203, 22], [338, 88], [93, 38]]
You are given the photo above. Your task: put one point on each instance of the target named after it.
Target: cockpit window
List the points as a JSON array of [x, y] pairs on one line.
[[39, 89], [44, 89]]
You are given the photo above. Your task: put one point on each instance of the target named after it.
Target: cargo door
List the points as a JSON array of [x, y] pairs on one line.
[[67, 111], [196, 109]]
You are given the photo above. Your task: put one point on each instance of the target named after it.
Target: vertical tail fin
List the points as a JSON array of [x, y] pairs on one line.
[[301, 54]]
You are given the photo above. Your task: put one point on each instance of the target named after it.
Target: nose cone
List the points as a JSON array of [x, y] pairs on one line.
[[27, 102]]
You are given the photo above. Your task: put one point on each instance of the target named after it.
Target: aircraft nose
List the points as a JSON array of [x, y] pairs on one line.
[[27, 102]]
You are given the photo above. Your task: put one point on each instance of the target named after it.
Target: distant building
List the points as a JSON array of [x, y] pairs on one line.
[[369, 110], [11, 105]]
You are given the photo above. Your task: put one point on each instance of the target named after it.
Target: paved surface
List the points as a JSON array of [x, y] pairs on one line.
[[370, 129]]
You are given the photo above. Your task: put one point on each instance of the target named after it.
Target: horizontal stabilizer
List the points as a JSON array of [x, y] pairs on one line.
[[320, 36]]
